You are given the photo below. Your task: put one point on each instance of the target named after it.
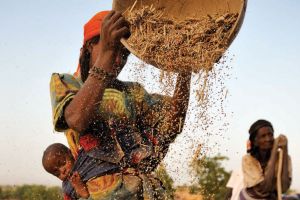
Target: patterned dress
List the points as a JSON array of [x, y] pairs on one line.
[[129, 139]]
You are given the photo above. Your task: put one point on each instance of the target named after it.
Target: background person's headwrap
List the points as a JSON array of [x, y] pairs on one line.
[[91, 29], [253, 131]]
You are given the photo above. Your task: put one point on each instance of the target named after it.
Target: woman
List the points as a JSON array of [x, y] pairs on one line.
[[116, 122], [260, 164]]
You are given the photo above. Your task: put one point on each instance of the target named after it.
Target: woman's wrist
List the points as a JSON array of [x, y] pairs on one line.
[[105, 62], [106, 59], [100, 74], [184, 76]]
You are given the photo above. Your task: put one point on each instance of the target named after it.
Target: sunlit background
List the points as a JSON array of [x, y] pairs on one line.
[[41, 37]]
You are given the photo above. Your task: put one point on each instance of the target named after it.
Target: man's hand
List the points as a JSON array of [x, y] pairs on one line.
[[282, 141]]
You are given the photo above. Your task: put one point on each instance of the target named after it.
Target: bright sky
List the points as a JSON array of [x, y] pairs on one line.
[[41, 37]]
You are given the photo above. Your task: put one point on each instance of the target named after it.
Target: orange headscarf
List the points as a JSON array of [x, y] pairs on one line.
[[91, 29]]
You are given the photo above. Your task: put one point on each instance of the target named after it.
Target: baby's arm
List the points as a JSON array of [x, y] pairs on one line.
[[79, 186]]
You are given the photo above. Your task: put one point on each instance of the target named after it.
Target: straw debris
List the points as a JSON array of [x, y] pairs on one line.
[[188, 45]]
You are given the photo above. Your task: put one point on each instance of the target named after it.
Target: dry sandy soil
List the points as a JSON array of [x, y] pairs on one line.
[[183, 194]]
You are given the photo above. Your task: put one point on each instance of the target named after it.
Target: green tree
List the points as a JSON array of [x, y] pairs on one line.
[[167, 181], [211, 177]]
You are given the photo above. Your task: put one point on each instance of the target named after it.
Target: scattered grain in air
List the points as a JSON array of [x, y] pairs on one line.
[[191, 45]]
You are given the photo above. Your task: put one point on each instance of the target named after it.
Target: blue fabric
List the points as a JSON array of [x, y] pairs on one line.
[[87, 167]]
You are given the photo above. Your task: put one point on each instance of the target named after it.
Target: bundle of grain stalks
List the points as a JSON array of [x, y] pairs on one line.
[[191, 44]]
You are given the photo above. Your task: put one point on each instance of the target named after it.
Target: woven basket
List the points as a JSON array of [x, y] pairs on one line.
[[183, 9]]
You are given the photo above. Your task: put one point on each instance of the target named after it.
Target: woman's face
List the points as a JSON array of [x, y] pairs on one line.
[[264, 138]]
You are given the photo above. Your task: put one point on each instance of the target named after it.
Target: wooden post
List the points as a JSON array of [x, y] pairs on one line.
[[279, 172]]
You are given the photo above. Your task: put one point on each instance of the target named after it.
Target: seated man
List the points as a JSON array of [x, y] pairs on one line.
[[261, 163]]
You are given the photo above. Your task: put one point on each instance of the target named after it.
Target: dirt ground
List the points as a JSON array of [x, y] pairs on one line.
[[183, 194]]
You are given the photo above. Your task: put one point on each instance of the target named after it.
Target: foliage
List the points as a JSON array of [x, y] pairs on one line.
[[167, 181], [211, 177], [30, 192], [194, 189]]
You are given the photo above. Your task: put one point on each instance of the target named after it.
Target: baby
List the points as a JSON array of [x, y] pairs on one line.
[[58, 161]]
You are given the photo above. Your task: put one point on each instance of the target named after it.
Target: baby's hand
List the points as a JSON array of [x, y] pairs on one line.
[[75, 180], [78, 185]]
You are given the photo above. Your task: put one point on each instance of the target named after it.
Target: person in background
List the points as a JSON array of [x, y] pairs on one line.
[[260, 164]]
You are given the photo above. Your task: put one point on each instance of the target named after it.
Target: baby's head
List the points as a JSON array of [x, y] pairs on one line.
[[58, 160]]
